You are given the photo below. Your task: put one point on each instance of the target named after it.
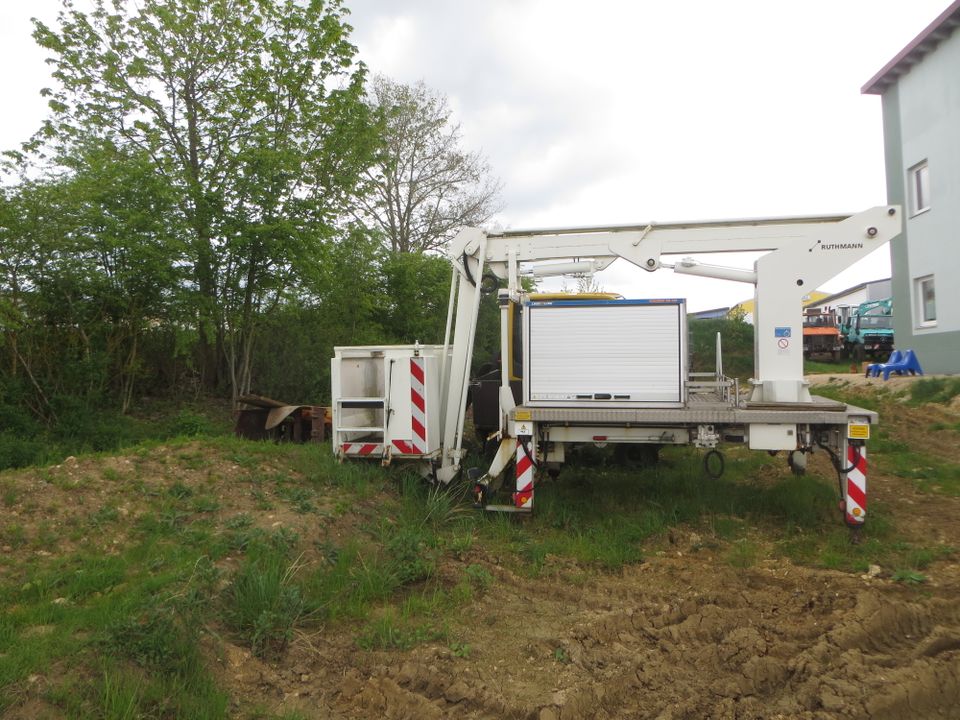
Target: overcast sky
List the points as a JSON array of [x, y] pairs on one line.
[[625, 112]]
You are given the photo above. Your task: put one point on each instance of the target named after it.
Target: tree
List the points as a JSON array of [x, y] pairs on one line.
[[91, 264], [423, 186], [252, 113]]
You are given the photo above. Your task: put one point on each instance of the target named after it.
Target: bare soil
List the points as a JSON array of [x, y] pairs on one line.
[[683, 634]]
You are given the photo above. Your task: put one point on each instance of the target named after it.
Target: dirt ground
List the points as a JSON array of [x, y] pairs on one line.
[[684, 634], [681, 635]]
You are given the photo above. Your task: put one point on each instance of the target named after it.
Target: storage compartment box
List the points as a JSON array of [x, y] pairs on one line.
[[605, 353], [777, 436]]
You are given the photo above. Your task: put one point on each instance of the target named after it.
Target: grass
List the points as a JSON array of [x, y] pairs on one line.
[[934, 390], [743, 554], [84, 429], [895, 455], [263, 603], [823, 367], [124, 626], [395, 631]]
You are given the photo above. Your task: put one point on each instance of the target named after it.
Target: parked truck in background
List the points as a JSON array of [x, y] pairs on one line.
[[821, 333], [867, 330]]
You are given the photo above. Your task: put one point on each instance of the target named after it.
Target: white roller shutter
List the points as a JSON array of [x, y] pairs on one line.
[[605, 353]]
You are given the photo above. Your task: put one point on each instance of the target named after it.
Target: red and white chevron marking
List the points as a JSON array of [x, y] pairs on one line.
[[523, 497], [362, 449], [856, 489], [418, 406], [405, 447]]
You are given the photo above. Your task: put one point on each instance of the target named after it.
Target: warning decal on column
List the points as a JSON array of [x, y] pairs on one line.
[[858, 431]]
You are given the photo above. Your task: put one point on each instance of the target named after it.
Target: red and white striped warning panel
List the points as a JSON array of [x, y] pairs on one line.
[[362, 449], [856, 490], [418, 406], [523, 497], [405, 447]]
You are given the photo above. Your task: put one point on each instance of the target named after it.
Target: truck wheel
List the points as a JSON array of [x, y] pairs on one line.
[[797, 461], [650, 455], [858, 353], [639, 454]]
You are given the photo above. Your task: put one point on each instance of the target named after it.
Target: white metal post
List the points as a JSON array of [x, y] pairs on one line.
[[468, 303]]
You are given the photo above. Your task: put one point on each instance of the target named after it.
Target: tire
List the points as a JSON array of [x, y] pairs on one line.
[[797, 462], [858, 353], [637, 454], [650, 455]]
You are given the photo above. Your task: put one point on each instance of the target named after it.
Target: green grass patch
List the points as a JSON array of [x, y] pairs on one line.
[[825, 367], [894, 455], [743, 554], [397, 631], [264, 603], [934, 390], [133, 614]]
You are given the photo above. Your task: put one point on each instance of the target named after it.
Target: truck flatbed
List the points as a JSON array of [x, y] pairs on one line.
[[700, 410]]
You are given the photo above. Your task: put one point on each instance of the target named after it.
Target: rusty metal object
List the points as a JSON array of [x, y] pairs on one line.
[[270, 419]]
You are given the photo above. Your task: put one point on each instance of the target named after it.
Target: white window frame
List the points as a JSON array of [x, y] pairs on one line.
[[919, 283], [918, 182]]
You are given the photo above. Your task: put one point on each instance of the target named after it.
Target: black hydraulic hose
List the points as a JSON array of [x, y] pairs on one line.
[[835, 459], [528, 451], [714, 475], [838, 466], [466, 270]]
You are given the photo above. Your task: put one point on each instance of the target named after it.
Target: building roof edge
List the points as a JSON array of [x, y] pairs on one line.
[[916, 49]]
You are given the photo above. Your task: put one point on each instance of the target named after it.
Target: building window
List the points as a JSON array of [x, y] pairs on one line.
[[926, 301], [919, 188]]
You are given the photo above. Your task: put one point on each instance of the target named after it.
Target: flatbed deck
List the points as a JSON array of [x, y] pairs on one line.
[[704, 410]]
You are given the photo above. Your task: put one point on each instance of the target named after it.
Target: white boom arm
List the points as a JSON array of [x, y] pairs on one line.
[[801, 254]]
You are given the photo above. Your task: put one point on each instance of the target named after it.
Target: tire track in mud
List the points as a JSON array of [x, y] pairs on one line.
[[685, 639]]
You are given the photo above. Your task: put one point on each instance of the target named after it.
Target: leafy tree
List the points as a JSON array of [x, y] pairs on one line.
[[736, 340], [251, 111], [423, 186], [417, 289], [91, 264]]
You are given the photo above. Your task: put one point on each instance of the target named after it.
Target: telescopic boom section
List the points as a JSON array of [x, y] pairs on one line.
[[801, 253]]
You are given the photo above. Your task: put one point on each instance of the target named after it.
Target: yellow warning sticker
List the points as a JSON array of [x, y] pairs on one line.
[[520, 415], [858, 431]]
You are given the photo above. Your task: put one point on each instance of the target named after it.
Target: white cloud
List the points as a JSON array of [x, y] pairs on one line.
[[617, 112], [614, 112]]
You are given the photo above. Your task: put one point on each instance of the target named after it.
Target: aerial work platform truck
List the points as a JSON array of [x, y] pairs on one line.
[[611, 370]]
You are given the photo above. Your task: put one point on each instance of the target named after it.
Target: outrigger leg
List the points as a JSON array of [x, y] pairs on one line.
[[855, 487], [523, 497]]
